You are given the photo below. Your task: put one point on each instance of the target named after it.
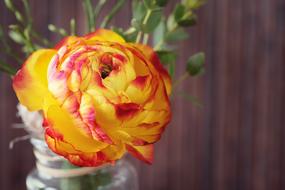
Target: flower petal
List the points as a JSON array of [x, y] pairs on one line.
[[144, 153], [154, 59], [61, 122], [66, 41], [32, 79], [104, 35]]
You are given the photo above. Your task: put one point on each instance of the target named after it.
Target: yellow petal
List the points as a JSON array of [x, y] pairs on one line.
[[144, 153], [104, 35], [30, 83], [154, 60], [66, 41], [61, 122]]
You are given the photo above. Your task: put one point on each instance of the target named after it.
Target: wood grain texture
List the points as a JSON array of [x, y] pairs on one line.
[[236, 141]]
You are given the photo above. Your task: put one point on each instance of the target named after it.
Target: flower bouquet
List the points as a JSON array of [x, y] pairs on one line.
[[100, 95]]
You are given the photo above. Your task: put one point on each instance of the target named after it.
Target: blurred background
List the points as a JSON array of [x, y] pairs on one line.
[[235, 141]]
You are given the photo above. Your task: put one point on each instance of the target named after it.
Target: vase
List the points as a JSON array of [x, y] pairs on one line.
[[53, 172]]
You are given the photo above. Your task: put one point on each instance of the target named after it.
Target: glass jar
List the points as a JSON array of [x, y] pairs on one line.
[[55, 173]]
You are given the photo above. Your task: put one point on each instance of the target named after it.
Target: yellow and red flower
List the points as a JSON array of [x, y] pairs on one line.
[[100, 97]]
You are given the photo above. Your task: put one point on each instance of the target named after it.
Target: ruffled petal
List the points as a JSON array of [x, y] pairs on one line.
[[30, 83], [104, 35], [60, 122], [66, 41], [154, 59], [144, 153]]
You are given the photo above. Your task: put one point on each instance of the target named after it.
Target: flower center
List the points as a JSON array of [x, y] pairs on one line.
[[106, 65], [105, 70]]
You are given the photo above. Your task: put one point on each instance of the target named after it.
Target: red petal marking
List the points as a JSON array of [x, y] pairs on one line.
[[92, 34], [126, 110], [157, 64], [102, 135], [61, 43], [106, 59], [138, 142], [144, 153], [119, 57], [21, 78], [140, 81], [148, 125], [64, 42], [50, 131], [98, 80]]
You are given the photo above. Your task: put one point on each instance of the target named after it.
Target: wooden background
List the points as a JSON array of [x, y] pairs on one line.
[[236, 141]]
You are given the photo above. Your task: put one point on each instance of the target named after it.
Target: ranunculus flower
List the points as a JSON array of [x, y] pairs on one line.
[[100, 97]]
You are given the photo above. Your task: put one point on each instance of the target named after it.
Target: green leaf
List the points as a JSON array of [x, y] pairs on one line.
[[19, 16], [149, 3], [188, 20], [194, 4], [179, 12], [52, 28], [139, 11], [153, 21], [176, 35], [17, 37], [9, 5], [171, 23], [195, 64], [167, 57], [136, 24], [159, 33], [161, 3]]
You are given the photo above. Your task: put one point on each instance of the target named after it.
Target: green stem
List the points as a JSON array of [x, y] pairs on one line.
[[88, 6], [7, 68], [112, 13], [98, 9], [145, 38], [162, 41], [28, 12], [138, 39], [148, 13], [183, 77], [44, 41], [72, 27]]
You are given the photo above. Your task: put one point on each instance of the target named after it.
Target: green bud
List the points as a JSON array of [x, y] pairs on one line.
[[62, 32], [187, 20], [52, 28], [195, 64], [194, 4]]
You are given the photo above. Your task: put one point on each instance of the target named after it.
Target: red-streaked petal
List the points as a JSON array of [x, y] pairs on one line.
[[30, 83], [104, 35], [144, 153], [66, 41], [154, 59]]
